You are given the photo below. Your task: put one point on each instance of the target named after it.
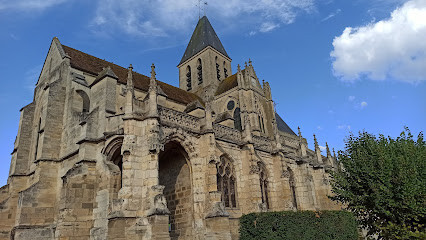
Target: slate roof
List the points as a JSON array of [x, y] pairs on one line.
[[228, 84], [88, 63], [282, 126], [203, 36]]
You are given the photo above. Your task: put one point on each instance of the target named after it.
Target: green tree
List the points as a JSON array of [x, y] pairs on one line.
[[383, 183]]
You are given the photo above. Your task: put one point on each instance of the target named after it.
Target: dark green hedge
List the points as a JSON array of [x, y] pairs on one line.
[[300, 225]]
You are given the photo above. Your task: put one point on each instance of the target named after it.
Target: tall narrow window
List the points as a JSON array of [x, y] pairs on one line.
[[263, 180], [38, 137], [200, 72], [188, 78], [217, 69], [237, 119], [261, 124], [225, 71], [226, 182], [292, 187]]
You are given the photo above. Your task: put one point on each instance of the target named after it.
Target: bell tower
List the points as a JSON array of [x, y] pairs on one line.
[[205, 62]]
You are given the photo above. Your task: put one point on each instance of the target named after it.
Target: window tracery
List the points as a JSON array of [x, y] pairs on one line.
[[226, 182]]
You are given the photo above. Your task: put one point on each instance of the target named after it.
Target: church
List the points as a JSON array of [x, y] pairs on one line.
[[104, 152]]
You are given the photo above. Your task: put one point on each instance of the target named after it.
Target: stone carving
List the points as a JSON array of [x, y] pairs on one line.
[[254, 169], [263, 207], [285, 173], [175, 118], [227, 133], [160, 203], [262, 143], [218, 210]]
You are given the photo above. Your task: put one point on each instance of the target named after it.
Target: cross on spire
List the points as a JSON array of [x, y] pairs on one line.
[[199, 8]]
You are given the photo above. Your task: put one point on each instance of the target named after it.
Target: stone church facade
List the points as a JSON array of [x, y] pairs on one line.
[[104, 152]]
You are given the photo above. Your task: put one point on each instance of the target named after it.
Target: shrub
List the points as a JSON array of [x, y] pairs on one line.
[[288, 225]]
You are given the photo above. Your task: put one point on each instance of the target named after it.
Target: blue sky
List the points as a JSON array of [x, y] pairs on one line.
[[334, 66]]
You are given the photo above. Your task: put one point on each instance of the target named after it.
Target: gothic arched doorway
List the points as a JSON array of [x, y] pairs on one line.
[[175, 176]]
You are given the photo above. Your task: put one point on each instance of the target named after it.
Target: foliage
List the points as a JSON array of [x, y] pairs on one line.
[[301, 225], [383, 183]]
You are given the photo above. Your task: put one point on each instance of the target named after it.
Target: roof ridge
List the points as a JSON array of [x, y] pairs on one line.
[[101, 59], [178, 95]]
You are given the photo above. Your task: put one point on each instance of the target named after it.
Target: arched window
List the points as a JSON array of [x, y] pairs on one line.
[[217, 69], [226, 182], [263, 180], [188, 78], [85, 101], [225, 70], [292, 184], [200, 71], [237, 119]]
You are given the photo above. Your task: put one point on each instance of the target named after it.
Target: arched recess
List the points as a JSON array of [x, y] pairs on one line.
[[226, 182], [292, 183], [263, 181], [175, 176], [113, 155], [85, 101], [237, 119]]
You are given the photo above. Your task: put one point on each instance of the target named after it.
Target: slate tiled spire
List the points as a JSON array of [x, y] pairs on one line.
[[203, 36]]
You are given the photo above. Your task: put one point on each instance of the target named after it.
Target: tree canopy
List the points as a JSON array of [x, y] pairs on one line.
[[383, 182]]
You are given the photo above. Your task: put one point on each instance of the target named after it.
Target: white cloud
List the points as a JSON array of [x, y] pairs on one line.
[[363, 104], [319, 128], [28, 5], [268, 26], [393, 48], [322, 148], [163, 17], [351, 98], [331, 15], [344, 127]]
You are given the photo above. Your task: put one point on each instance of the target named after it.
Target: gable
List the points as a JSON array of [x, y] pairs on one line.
[[53, 59]]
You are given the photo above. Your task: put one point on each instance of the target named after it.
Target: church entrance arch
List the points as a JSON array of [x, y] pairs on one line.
[[175, 176]]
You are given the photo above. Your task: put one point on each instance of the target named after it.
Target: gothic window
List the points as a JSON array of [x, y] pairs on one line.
[[226, 182], [200, 72], [188, 78], [292, 184], [237, 119], [217, 70], [263, 180], [225, 70]]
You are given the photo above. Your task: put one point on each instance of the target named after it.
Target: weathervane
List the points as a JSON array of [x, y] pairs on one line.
[[199, 8]]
